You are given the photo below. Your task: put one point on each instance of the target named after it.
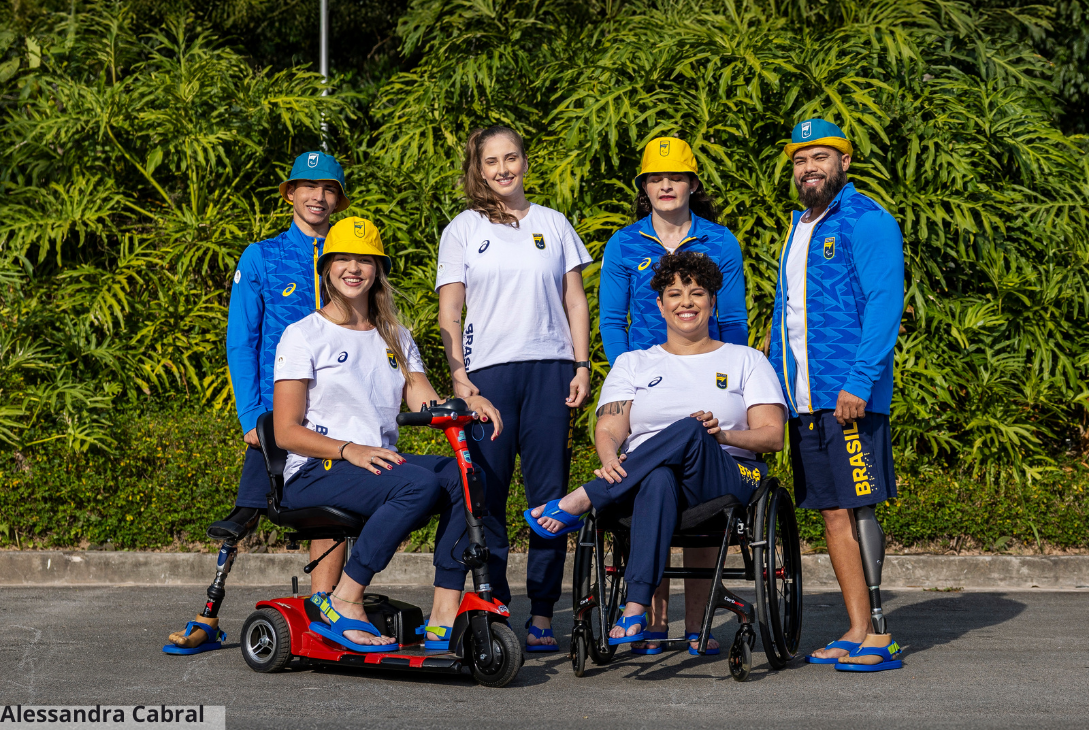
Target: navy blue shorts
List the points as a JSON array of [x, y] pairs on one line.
[[254, 486], [841, 466]]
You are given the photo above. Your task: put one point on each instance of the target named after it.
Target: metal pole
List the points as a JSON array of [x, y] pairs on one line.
[[323, 65]]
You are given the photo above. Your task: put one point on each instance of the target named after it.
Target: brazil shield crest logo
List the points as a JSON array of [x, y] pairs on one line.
[[663, 148], [392, 360], [360, 228], [830, 247], [722, 380], [538, 241]]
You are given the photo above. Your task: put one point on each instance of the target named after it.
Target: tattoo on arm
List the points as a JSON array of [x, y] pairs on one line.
[[616, 408]]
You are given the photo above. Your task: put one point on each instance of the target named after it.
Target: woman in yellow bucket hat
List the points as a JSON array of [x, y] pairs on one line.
[[341, 375], [674, 213]]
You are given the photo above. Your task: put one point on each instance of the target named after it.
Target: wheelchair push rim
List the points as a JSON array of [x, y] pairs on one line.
[[777, 561]]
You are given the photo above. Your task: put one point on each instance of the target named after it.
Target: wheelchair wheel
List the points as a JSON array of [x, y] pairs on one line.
[[779, 583], [598, 593], [740, 659], [266, 641], [579, 650]]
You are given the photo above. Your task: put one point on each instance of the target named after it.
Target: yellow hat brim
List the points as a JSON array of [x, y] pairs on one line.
[[839, 143], [387, 262], [342, 199], [638, 181]]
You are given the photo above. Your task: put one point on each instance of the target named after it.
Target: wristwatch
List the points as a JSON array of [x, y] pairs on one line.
[[582, 364]]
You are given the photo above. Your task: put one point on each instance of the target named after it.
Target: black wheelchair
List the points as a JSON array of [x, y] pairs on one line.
[[766, 532]]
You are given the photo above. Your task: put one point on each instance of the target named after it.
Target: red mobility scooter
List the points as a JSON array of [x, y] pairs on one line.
[[481, 640]]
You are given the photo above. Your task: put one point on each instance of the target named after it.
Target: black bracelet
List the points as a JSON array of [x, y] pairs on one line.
[[582, 364], [342, 448]]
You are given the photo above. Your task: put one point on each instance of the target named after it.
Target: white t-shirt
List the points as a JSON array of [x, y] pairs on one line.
[[795, 308], [665, 388], [355, 387], [513, 281]]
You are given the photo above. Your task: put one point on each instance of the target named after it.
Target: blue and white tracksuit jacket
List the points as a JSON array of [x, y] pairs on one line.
[[625, 283], [275, 285], [854, 298]]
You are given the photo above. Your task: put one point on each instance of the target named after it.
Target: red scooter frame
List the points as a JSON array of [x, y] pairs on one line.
[[480, 639]]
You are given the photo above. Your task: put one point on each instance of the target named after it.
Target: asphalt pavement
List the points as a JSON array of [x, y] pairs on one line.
[[972, 660]]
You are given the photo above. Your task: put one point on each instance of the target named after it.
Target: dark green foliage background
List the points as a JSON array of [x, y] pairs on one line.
[[141, 142]]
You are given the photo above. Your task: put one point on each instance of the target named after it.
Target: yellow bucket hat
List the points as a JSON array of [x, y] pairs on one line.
[[666, 154], [354, 235]]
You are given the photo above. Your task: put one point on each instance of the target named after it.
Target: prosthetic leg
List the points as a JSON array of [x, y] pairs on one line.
[[878, 651], [203, 634], [871, 543]]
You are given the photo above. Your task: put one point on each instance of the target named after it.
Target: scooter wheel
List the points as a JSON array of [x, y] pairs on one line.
[[509, 658], [579, 650], [266, 641], [741, 657]]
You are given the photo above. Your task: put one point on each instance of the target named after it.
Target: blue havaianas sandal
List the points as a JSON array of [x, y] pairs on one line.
[[626, 623], [888, 656], [334, 630], [695, 636], [215, 640], [849, 646], [552, 510], [649, 636], [540, 634], [440, 644]]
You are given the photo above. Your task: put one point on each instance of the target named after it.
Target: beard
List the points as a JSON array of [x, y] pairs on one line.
[[821, 196]]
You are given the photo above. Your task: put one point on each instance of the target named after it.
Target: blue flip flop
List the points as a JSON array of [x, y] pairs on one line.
[[540, 634], [334, 630], [848, 645], [552, 510], [695, 636], [440, 644], [888, 659], [215, 640], [626, 623], [651, 636]]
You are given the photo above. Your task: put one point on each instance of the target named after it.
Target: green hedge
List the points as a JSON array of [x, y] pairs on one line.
[[176, 468]]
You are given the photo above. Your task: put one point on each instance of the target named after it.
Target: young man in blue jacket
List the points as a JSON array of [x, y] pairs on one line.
[[838, 304], [274, 285]]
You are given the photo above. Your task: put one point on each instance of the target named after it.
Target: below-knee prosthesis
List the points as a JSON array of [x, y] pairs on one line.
[[871, 543], [247, 519]]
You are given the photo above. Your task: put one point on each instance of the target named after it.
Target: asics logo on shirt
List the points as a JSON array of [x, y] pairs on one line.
[[654, 382], [722, 380], [342, 357], [287, 291], [644, 264], [484, 247], [538, 241]]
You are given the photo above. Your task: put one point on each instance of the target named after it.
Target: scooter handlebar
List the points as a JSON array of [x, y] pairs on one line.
[[419, 418]]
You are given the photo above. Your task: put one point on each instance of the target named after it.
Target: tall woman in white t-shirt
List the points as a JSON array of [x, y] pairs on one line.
[[515, 268], [689, 417], [340, 376]]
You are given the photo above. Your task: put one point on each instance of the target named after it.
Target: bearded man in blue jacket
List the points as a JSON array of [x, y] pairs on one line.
[[275, 284], [838, 304]]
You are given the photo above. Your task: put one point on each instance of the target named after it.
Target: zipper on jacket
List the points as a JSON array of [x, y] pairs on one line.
[[317, 287]]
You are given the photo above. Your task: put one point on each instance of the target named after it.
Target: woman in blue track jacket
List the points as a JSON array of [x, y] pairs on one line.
[[675, 214]]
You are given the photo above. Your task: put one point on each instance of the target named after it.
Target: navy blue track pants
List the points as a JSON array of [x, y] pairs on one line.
[[537, 425], [679, 467], [394, 502]]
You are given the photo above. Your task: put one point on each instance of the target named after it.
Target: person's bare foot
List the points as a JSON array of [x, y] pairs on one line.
[[541, 622], [854, 637], [575, 503], [630, 609], [351, 610], [871, 640], [712, 643], [664, 628]]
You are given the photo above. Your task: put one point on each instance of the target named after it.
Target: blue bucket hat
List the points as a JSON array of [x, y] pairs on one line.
[[317, 166], [818, 132]]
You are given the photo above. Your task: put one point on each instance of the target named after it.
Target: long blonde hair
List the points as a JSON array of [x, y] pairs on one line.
[[478, 195], [381, 309]]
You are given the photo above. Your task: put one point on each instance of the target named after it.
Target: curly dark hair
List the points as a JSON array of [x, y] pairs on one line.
[[690, 266], [700, 203]]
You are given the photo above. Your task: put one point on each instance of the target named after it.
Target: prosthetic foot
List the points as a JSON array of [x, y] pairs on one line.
[[878, 651], [203, 634]]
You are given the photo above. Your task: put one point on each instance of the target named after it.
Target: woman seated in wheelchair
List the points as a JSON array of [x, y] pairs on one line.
[[688, 418], [340, 376]]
